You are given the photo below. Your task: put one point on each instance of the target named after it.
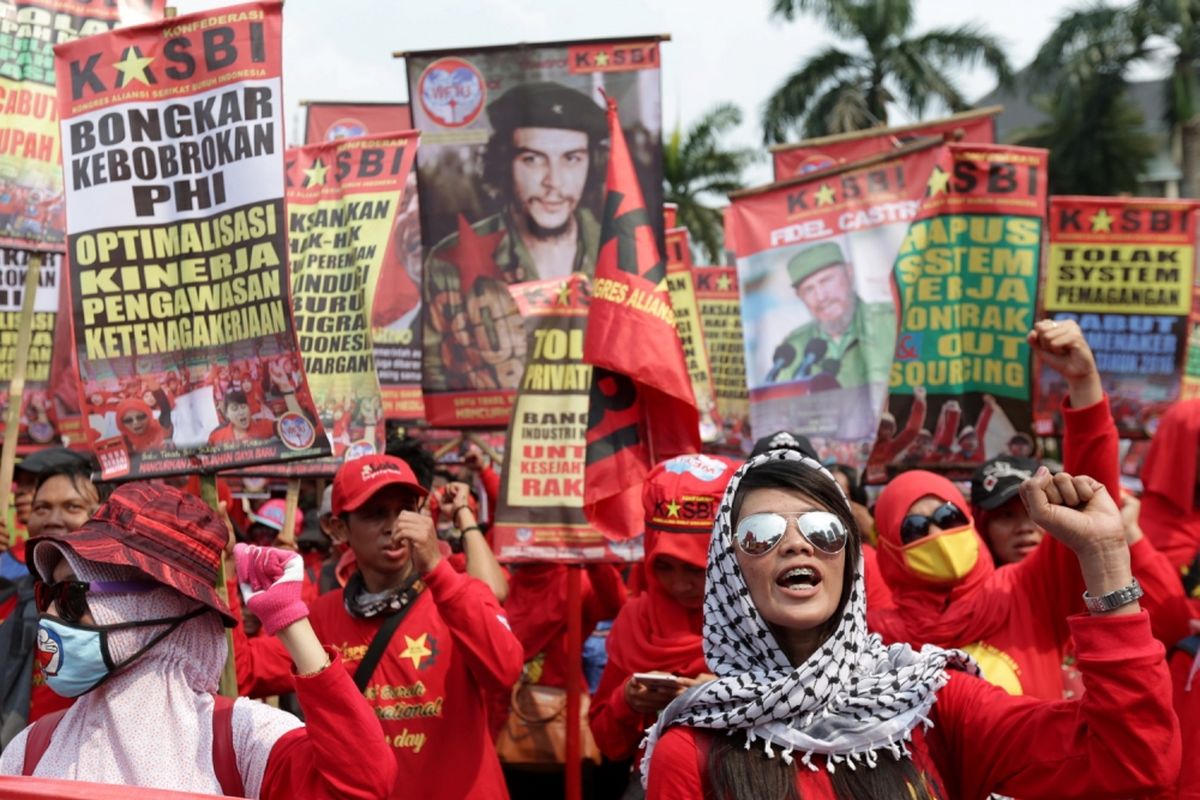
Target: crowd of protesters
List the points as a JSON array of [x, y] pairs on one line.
[[1031, 635]]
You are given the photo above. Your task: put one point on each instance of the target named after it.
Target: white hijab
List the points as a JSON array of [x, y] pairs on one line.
[[150, 725]]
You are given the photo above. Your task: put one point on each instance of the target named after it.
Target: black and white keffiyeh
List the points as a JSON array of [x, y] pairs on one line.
[[852, 699]]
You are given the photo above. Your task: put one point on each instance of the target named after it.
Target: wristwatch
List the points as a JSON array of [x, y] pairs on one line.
[[1114, 599]]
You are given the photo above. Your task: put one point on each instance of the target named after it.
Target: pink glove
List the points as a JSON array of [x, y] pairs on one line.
[[271, 580]]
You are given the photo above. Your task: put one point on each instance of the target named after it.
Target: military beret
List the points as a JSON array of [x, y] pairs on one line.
[[548, 105], [813, 260]]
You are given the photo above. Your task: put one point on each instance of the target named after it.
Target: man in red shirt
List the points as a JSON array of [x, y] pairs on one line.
[[240, 428]]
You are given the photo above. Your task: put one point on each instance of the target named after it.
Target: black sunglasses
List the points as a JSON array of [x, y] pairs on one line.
[[946, 517], [70, 597]]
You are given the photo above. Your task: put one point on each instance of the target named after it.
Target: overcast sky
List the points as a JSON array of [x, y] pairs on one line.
[[720, 51]]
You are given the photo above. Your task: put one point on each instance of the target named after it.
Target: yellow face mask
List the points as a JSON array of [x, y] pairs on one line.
[[944, 558]]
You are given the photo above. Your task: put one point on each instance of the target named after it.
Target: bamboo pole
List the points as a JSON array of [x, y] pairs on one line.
[[16, 387]]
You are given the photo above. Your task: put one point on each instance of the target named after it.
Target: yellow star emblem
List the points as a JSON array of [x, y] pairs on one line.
[[601, 59], [1102, 221], [132, 67], [672, 509], [825, 195], [724, 283], [564, 294], [416, 649], [316, 175], [939, 182]]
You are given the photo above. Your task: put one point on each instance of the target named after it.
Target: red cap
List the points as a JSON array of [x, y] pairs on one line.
[[682, 495], [358, 480]]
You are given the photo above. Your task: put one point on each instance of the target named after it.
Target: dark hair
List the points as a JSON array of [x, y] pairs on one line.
[[498, 158], [409, 450], [737, 773], [79, 473], [857, 493], [234, 396]]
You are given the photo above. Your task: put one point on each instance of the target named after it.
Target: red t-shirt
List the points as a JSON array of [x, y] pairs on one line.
[[259, 429], [1120, 740], [429, 689]]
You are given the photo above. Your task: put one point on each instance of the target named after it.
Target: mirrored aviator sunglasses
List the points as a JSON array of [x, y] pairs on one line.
[[758, 534], [916, 526]]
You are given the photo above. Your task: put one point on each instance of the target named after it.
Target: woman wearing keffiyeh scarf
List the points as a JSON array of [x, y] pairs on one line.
[[808, 704]]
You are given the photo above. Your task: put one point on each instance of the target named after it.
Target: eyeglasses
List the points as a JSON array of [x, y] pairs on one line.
[[946, 517], [70, 597], [758, 534]]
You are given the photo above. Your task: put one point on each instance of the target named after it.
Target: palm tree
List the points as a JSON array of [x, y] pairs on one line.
[[839, 90], [1179, 22], [695, 165], [1079, 79]]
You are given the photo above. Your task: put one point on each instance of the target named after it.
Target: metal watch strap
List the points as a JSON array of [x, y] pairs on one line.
[[1114, 599]]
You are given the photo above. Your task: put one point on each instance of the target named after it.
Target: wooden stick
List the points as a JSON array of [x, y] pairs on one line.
[[208, 493], [287, 536], [447, 447], [16, 387], [488, 450]]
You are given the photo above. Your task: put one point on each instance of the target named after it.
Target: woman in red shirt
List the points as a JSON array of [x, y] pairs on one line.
[[809, 704]]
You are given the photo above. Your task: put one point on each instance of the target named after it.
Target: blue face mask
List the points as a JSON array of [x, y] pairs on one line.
[[75, 658]]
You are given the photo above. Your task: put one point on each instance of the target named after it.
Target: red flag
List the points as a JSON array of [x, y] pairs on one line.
[[642, 406]]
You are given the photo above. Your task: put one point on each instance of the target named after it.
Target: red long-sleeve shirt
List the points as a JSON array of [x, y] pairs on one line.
[[1120, 740]]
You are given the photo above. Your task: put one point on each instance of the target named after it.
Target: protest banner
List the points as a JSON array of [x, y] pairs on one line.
[[721, 323], [540, 515], [814, 262], [31, 179], [793, 160], [681, 285], [177, 242], [343, 203], [1123, 269], [38, 414], [330, 121], [966, 281], [511, 180]]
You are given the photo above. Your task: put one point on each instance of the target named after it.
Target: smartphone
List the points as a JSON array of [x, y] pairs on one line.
[[657, 679]]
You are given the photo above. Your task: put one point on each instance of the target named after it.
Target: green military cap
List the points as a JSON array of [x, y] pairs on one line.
[[548, 105], [813, 260]]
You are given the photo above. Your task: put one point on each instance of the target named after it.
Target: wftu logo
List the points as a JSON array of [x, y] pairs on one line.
[[701, 467], [218, 49], [452, 92]]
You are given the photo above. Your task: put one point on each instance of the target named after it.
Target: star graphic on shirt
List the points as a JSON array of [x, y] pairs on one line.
[[132, 67], [316, 175], [672, 509], [601, 59], [1102, 221], [724, 283], [416, 649], [939, 180], [825, 195], [564, 294]]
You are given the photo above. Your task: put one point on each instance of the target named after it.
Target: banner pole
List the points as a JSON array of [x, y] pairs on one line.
[[447, 447], [574, 769], [208, 493], [16, 387], [287, 536]]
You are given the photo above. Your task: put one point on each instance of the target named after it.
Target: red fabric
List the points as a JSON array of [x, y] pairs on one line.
[[879, 594], [1120, 740], [491, 484], [1169, 516], [438, 728], [341, 752], [1187, 708], [357, 481], [259, 429], [642, 382], [1013, 618], [653, 632], [886, 450], [152, 437], [42, 699]]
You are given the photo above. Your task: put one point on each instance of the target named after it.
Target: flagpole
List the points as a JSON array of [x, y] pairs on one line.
[[16, 386], [574, 770]]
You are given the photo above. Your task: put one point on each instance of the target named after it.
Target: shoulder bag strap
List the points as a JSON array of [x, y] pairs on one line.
[[379, 643], [224, 755], [39, 739]]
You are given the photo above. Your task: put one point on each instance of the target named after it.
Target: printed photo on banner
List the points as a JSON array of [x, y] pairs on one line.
[[32, 208], [178, 245], [511, 181], [966, 280], [814, 263], [39, 420], [1123, 269]]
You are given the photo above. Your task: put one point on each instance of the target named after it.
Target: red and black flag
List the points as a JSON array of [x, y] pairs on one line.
[[642, 406]]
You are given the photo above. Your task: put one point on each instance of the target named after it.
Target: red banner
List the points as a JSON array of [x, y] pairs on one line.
[[642, 405], [328, 122], [794, 160], [178, 243]]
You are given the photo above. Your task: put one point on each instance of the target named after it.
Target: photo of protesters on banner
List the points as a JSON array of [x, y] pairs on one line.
[[511, 175]]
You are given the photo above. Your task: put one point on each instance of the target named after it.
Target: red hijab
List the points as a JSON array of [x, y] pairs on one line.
[[153, 436], [937, 613], [1169, 516], [536, 605], [662, 634]]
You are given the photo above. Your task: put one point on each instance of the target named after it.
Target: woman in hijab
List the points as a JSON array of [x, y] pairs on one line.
[[1171, 503], [808, 704], [142, 432], [659, 630], [131, 625]]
